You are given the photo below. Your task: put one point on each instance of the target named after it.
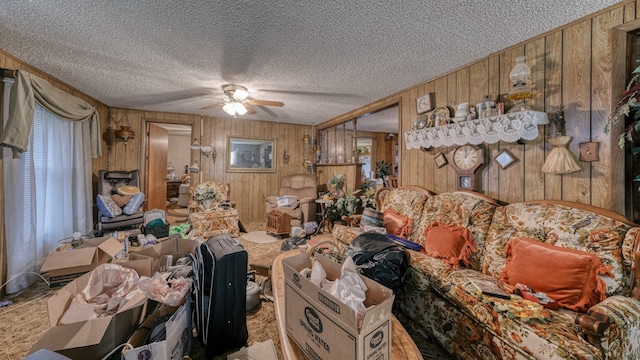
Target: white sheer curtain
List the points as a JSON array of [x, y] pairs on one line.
[[47, 193]]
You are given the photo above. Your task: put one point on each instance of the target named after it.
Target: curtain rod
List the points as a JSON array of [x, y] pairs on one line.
[[10, 73]]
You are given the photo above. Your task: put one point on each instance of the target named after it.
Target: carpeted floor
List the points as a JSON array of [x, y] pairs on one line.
[[23, 322]]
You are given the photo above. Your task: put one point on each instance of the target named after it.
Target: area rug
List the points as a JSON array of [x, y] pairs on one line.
[[259, 237]]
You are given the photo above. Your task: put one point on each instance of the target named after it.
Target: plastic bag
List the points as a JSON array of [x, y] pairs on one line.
[[292, 243], [380, 259], [349, 287], [156, 288]]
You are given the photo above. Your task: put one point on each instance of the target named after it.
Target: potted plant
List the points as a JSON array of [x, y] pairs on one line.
[[382, 169], [627, 106], [342, 205]]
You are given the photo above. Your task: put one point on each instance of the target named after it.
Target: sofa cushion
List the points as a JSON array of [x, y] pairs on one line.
[[397, 224], [449, 242], [107, 206], [562, 226], [406, 202], [463, 209], [566, 275], [345, 234]]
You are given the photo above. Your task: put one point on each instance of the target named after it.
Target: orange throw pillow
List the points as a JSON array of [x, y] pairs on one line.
[[449, 242], [568, 276], [397, 224]]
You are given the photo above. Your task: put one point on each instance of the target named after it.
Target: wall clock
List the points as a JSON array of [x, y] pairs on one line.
[[424, 103], [465, 160]]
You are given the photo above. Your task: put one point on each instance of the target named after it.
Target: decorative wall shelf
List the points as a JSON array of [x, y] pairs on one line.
[[508, 127]]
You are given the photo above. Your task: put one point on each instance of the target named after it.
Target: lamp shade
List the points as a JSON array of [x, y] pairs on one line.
[[125, 133]]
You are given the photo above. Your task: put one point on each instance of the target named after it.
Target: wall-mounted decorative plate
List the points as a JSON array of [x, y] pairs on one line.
[[505, 159]]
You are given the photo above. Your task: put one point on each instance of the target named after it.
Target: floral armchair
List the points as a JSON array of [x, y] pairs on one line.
[[210, 212]]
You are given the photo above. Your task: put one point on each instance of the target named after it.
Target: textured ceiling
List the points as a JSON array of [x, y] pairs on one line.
[[321, 58]]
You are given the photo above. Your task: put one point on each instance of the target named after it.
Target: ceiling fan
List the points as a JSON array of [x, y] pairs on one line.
[[238, 102]]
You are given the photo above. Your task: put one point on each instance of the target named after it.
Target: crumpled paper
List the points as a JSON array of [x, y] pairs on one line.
[[349, 288], [156, 288]]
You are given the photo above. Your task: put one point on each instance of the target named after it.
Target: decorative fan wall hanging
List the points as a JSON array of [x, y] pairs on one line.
[[239, 102]]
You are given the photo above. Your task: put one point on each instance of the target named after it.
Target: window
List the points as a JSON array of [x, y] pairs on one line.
[[47, 193]]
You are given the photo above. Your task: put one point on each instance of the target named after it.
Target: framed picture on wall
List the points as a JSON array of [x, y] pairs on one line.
[[251, 155], [424, 103], [440, 160]]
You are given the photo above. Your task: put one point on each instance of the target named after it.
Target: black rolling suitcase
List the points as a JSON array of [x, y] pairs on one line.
[[220, 277]]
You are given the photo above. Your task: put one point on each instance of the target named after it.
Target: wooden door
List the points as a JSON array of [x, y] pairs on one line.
[[157, 147]]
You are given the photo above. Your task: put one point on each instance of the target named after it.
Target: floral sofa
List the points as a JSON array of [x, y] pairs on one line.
[[439, 301]]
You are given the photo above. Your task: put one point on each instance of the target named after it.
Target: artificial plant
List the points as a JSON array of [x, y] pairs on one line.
[[627, 106], [382, 169]]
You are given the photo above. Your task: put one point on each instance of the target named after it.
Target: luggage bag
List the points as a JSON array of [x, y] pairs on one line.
[[220, 279]]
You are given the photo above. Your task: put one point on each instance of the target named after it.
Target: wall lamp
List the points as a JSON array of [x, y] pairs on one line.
[[209, 151], [125, 133]]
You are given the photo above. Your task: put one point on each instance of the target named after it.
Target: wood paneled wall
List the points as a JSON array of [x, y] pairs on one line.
[[572, 66], [248, 190]]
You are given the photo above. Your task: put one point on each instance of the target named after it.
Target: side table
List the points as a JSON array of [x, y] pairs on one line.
[[324, 223]]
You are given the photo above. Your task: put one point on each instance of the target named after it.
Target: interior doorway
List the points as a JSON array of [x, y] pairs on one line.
[[168, 157]]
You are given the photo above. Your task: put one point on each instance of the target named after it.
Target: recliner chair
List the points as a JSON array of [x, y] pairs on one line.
[[305, 188], [108, 184]]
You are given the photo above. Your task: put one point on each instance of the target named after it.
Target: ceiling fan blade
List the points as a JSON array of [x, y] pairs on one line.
[[250, 109], [265, 103], [212, 106]]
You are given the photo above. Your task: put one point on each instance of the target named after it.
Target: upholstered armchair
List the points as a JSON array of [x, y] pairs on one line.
[[127, 215], [304, 187], [212, 215]]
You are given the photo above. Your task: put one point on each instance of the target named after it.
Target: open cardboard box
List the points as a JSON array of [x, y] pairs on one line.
[[65, 263], [89, 339], [326, 328], [151, 257]]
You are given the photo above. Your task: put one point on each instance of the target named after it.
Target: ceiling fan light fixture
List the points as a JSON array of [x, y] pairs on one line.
[[229, 108], [240, 109], [240, 94]]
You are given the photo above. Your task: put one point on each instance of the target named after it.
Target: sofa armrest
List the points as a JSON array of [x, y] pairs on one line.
[[635, 290], [619, 314]]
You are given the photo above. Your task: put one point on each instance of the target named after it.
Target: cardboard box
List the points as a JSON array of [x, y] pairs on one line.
[[65, 263], [89, 339], [151, 257], [326, 328], [179, 338]]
